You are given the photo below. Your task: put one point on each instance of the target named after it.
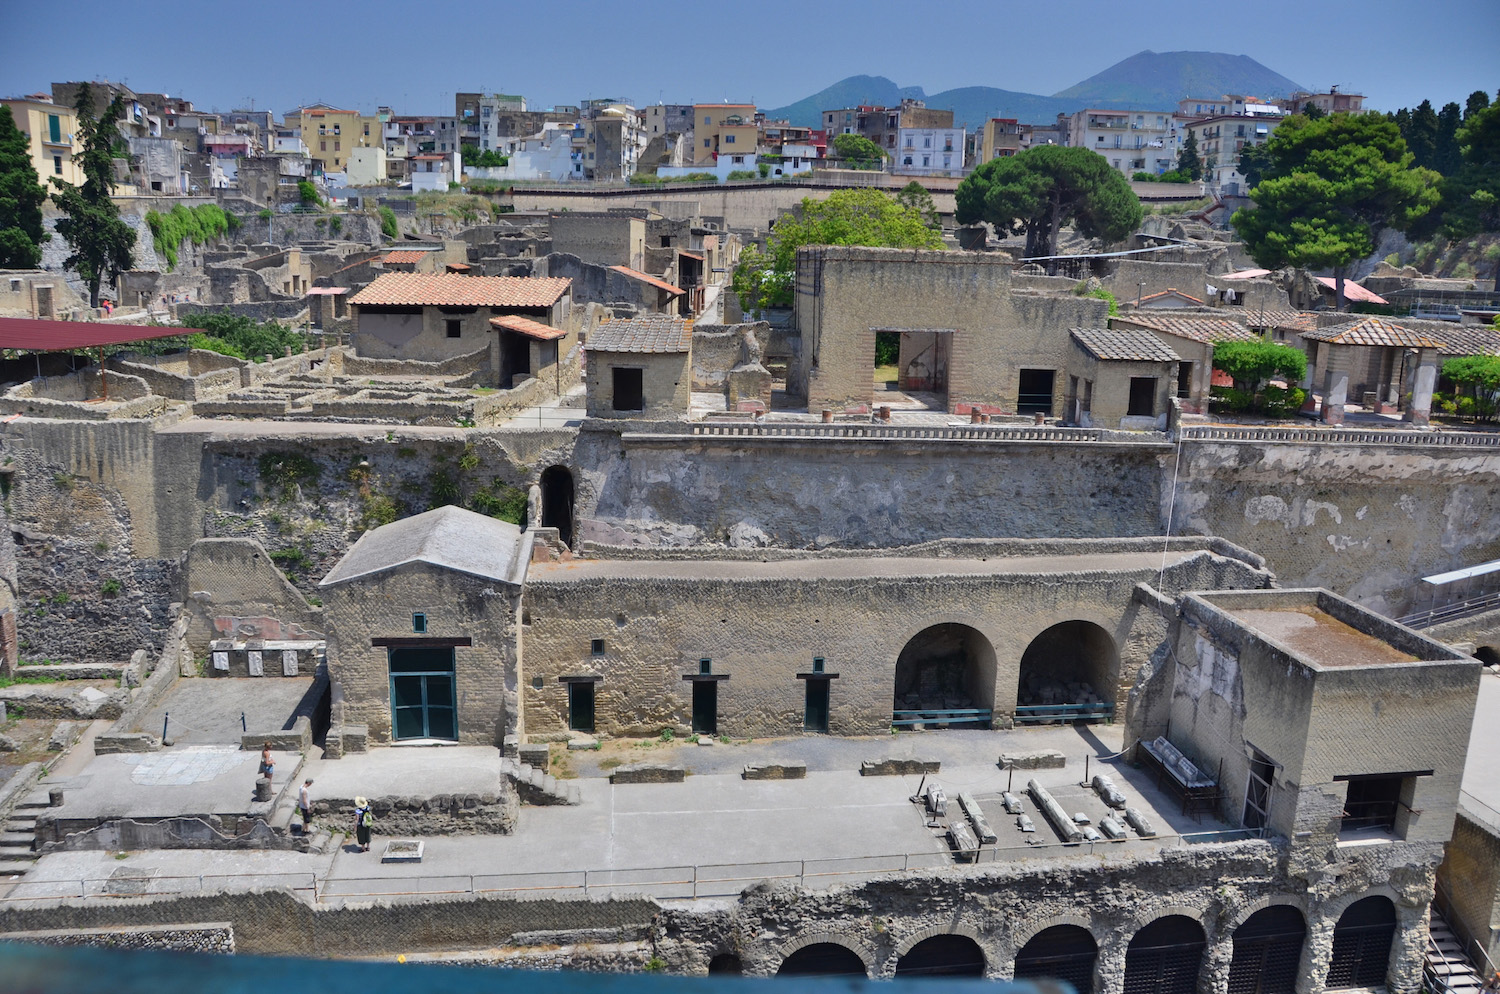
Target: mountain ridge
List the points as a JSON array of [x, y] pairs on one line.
[[1144, 81]]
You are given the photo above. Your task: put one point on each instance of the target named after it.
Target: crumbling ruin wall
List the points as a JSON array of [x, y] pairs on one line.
[[232, 590]]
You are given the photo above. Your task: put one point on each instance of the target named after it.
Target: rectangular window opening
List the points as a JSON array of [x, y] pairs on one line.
[[1035, 393], [419, 623], [629, 389], [455, 329], [1142, 396], [596, 647]]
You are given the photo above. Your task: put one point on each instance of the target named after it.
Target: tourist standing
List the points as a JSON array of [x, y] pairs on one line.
[[364, 818], [304, 805], [267, 764]]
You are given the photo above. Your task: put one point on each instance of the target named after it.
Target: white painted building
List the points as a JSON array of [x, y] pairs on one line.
[[928, 152], [547, 155], [1132, 141], [434, 171]]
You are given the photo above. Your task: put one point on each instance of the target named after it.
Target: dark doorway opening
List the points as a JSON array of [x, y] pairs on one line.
[[726, 963], [629, 389], [1164, 957], [815, 714], [557, 502], [1488, 655], [827, 959], [1071, 663], [1267, 952], [1362, 944], [581, 706], [515, 358], [942, 956], [1142, 397], [946, 668], [706, 707], [1035, 395], [1184, 380], [422, 697], [1062, 952]]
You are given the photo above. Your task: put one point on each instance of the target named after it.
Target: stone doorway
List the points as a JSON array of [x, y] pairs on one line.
[[911, 369], [557, 502]]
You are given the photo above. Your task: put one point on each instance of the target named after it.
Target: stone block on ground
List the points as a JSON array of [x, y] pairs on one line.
[[898, 767], [648, 773], [1039, 759], [64, 736], [965, 845], [109, 743], [582, 745], [296, 739], [535, 755], [982, 830], [775, 771]]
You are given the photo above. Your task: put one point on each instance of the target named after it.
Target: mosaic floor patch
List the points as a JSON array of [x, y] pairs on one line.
[[180, 767]]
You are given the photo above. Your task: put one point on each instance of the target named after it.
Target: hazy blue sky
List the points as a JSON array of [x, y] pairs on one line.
[[412, 55]]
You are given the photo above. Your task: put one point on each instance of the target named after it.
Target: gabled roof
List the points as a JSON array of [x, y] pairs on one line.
[[1170, 292], [1352, 290], [449, 537], [1123, 345], [405, 255], [529, 328], [455, 290], [1197, 329], [1279, 317], [650, 334], [1471, 339], [647, 278], [1373, 331]]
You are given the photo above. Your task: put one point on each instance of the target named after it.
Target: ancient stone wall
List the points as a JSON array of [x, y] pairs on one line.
[[233, 590]]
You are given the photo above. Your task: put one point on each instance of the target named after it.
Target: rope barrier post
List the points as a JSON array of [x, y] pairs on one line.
[[164, 717], [243, 726]]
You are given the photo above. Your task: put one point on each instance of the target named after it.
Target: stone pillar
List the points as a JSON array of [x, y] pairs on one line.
[[1420, 411], [1310, 402], [1335, 386]]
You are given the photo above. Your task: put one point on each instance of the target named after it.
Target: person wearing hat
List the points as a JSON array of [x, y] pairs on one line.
[[363, 819]]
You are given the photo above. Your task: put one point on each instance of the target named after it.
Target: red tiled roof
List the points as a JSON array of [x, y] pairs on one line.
[[1373, 331], [645, 278], [54, 336], [405, 255], [454, 290], [690, 255], [529, 328], [1352, 290]]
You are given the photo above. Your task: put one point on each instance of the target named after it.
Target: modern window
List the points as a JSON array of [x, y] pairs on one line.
[[322, 146], [706, 143], [729, 139], [596, 647], [422, 695], [57, 164], [54, 128]]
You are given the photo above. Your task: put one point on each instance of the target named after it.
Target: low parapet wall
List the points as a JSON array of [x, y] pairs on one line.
[[84, 395]]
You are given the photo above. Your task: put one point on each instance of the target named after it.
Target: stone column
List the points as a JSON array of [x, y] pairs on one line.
[[1420, 411], [1335, 385], [1310, 402]]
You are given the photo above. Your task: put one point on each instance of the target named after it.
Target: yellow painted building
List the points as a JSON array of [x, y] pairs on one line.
[[51, 130], [331, 134], [729, 129]]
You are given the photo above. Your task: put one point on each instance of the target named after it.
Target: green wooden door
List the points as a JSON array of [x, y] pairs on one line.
[[423, 702]]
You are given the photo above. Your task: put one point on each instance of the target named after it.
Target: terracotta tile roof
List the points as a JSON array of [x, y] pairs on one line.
[[1352, 290], [1470, 339], [646, 278], [1123, 345], [650, 334], [1279, 317], [1197, 329], [1171, 292], [362, 262], [528, 327], [453, 290], [1373, 331], [405, 255]]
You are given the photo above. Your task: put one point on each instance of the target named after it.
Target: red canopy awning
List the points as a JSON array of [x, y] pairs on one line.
[[29, 335]]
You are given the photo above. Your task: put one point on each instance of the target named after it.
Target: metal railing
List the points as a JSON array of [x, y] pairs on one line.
[[1450, 612], [1341, 436], [976, 433], [684, 882]]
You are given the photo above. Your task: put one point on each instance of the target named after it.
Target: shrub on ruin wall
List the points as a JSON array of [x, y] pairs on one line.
[[180, 224]]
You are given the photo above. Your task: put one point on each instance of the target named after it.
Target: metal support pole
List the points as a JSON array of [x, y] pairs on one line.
[[243, 726], [164, 718]]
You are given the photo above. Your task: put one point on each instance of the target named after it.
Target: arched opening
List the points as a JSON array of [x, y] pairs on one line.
[[1164, 957], [727, 963], [1068, 671], [1062, 952], [1267, 951], [942, 956], [1362, 944], [827, 959], [945, 676], [1488, 655], [557, 502]]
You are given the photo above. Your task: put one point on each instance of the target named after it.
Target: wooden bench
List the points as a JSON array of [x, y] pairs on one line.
[[1065, 712], [939, 716]]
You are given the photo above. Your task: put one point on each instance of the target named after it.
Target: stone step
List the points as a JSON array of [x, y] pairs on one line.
[[10, 851], [17, 838]]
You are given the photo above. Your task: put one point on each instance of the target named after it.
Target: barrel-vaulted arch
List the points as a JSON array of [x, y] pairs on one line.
[[1066, 657], [921, 644], [1165, 951], [826, 953], [952, 949], [1267, 950]]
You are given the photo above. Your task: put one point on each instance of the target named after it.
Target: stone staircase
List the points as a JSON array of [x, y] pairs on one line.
[[18, 835], [1447, 968], [537, 786]]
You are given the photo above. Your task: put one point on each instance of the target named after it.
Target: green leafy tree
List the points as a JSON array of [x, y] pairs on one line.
[[1448, 156], [1037, 191], [1253, 159], [307, 192], [858, 151], [1187, 158], [914, 196], [388, 226], [1471, 195], [1313, 112], [239, 336], [1421, 135], [102, 245], [1480, 377], [846, 217], [1478, 101], [1251, 364], [1327, 190], [21, 198]]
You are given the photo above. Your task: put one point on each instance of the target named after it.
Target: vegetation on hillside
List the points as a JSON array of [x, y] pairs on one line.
[[180, 224], [239, 336]]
